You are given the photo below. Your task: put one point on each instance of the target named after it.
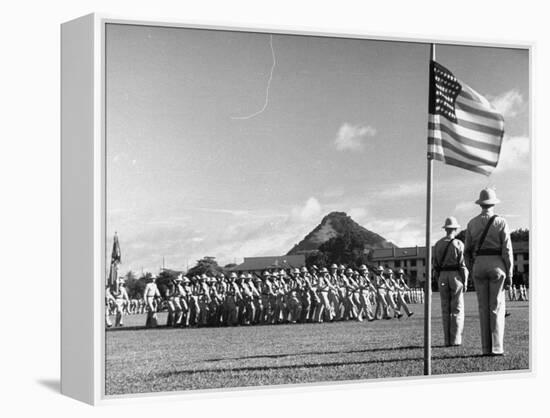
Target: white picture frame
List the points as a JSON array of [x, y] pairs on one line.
[[83, 195]]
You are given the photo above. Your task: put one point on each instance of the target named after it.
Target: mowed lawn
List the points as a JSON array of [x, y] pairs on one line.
[[165, 359]]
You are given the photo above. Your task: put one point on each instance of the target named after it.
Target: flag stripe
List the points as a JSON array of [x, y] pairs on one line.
[[468, 133], [457, 163], [451, 145], [476, 111], [466, 140], [493, 123]]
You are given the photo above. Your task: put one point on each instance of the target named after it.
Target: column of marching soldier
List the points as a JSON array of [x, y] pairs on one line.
[[276, 297]]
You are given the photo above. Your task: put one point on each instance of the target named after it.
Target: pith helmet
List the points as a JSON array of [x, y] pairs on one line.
[[179, 278], [487, 197], [362, 267], [324, 270], [349, 271], [380, 269], [334, 266], [451, 223], [266, 273], [233, 275], [341, 267], [303, 270], [314, 267], [296, 271], [400, 271], [389, 271]]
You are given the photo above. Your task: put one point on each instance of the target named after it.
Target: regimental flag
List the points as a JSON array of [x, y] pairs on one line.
[[115, 261], [464, 129]]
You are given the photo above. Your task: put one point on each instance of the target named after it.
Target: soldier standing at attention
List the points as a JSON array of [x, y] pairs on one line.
[[452, 278], [488, 249]]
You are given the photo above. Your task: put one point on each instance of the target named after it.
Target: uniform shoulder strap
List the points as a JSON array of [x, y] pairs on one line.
[[445, 252], [485, 232]]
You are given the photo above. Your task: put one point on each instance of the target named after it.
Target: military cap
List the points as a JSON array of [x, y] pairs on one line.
[[451, 223], [324, 270], [266, 273], [400, 271], [487, 197], [334, 266], [380, 269], [362, 267], [296, 271], [349, 271], [341, 267], [303, 270], [389, 271]]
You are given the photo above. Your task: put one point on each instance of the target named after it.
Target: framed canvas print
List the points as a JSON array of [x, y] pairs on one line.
[[247, 207]]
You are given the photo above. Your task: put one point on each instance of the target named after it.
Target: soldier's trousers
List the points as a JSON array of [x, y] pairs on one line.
[[381, 305], [489, 275], [451, 290]]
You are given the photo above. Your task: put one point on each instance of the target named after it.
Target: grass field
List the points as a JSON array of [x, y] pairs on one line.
[[165, 359]]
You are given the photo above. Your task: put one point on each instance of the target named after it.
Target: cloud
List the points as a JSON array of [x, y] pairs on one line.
[[403, 232], [352, 137], [358, 214], [509, 104], [312, 208], [514, 154], [465, 207], [404, 190]]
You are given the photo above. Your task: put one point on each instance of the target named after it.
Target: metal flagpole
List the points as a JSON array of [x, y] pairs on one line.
[[428, 283]]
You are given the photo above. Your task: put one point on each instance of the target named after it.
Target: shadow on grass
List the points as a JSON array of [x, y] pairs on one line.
[[369, 350], [307, 366]]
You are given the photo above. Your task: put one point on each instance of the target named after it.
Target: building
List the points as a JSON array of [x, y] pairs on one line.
[[410, 259], [413, 261], [260, 264]]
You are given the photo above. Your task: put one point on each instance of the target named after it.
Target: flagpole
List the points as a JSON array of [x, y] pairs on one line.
[[428, 283]]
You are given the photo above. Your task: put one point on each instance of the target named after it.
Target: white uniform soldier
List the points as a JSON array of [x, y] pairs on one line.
[[150, 294], [452, 277], [488, 248]]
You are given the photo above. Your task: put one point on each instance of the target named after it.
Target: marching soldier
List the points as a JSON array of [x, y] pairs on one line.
[[366, 288], [150, 295], [381, 289], [109, 298], [402, 287], [452, 278], [390, 294], [488, 249], [121, 298]]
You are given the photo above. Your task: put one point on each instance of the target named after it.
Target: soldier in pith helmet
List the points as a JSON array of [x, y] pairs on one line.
[[488, 253]]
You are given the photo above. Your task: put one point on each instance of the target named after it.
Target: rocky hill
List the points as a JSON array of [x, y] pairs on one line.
[[338, 224]]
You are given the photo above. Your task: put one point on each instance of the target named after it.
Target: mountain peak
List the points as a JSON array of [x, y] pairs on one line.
[[337, 224]]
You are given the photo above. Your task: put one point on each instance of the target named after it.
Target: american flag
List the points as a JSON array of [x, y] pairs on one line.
[[464, 129]]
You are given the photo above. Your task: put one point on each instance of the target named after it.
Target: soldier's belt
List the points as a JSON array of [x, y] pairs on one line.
[[489, 251]]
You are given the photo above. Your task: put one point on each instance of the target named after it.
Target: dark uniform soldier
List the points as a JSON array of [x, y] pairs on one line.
[[488, 249], [452, 278]]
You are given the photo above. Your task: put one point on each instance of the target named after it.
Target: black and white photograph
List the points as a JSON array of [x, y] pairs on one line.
[[294, 208]]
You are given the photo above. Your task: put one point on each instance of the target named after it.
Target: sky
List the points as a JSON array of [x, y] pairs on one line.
[[236, 144]]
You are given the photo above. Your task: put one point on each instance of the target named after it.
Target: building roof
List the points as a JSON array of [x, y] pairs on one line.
[[411, 253], [404, 253], [264, 263]]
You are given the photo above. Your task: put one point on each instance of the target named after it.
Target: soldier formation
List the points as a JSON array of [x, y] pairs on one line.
[[288, 296]]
